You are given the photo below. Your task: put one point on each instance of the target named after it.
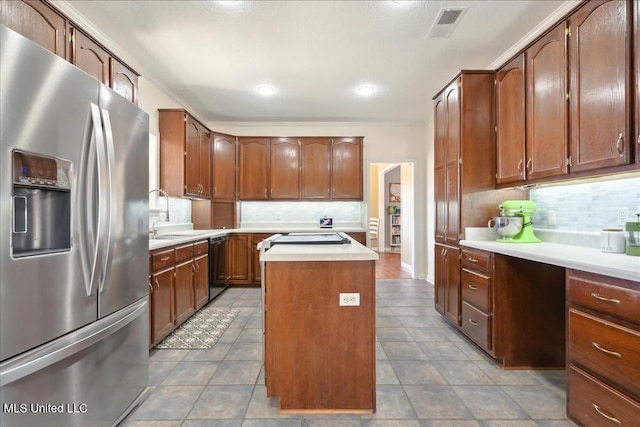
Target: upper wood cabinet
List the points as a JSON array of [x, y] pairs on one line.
[[284, 168], [123, 80], [89, 56], [637, 82], [315, 168], [510, 119], [464, 155], [185, 155], [42, 23], [224, 167], [253, 164], [547, 109], [308, 168], [599, 65], [346, 172], [36, 21]]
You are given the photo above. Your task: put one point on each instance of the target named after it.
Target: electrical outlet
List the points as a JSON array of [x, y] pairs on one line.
[[349, 299], [552, 219], [622, 215]]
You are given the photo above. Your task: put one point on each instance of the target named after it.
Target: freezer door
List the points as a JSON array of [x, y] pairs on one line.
[[46, 108], [125, 268], [90, 377]]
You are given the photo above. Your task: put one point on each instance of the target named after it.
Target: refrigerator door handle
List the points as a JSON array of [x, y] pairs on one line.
[[98, 255], [70, 344], [111, 196]]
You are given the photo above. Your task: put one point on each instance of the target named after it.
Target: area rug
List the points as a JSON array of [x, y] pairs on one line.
[[200, 331]]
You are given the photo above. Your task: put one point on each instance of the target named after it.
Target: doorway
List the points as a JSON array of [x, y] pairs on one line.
[[391, 201]]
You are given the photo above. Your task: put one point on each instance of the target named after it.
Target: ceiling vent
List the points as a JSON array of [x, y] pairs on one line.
[[446, 22]]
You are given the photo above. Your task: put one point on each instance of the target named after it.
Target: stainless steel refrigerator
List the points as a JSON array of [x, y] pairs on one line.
[[74, 320]]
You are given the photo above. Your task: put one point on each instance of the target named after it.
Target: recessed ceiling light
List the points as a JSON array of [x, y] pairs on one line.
[[365, 90], [266, 90]]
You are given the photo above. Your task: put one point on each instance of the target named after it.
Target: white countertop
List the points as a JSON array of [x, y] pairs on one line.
[[353, 251], [569, 256], [195, 235]]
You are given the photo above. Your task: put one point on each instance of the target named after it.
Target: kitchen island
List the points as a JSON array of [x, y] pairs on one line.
[[320, 343]]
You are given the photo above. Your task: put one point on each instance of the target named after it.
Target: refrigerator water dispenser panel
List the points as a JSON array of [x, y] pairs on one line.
[[41, 205]]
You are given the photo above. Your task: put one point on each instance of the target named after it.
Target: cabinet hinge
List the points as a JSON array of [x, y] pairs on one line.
[[460, 161], [496, 177], [185, 118], [185, 154], [495, 129], [568, 96], [567, 31], [569, 161]]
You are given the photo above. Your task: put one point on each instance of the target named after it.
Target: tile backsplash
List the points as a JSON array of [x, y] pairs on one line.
[[586, 206], [300, 211], [179, 211]]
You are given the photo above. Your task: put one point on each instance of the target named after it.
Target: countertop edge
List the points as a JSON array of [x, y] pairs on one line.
[[574, 257]]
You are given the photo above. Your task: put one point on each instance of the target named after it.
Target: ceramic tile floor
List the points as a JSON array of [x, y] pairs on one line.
[[428, 374]]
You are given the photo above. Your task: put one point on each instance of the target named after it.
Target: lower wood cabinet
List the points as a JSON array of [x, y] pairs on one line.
[[603, 350], [511, 308], [244, 258], [178, 286]]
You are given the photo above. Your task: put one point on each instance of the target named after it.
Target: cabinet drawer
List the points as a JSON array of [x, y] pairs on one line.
[[590, 291], [593, 403], [476, 325], [200, 248], [476, 260], [163, 259], [476, 290], [184, 252], [606, 349]]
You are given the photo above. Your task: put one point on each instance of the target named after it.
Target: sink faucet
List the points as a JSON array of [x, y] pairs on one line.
[[163, 193]]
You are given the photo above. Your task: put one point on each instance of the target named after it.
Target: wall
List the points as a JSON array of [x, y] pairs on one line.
[[383, 143], [586, 206], [408, 220], [304, 213]]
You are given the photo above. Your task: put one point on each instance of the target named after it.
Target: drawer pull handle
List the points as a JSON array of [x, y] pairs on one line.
[[473, 322], [473, 288], [166, 258], [611, 300], [157, 283], [604, 350], [607, 416], [470, 259]]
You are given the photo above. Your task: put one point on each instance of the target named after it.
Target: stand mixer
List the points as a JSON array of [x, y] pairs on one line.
[[523, 209]]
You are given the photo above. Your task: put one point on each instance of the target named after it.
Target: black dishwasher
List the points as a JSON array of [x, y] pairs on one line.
[[218, 281]]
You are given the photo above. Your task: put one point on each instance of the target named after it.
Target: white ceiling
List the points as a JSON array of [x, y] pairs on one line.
[[211, 55]]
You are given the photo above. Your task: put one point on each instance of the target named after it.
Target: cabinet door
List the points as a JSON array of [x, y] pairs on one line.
[[346, 172], [184, 300], [238, 254], [315, 168], [162, 318], [89, 56], [201, 281], [599, 52], [441, 204], [452, 299], [510, 131], [253, 160], [440, 146], [224, 167], [637, 67], [36, 21], [547, 111], [205, 162], [284, 168], [256, 268], [192, 157], [452, 155], [440, 278], [123, 80]]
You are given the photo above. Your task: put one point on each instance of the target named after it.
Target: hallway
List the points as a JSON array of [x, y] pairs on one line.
[[390, 267]]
